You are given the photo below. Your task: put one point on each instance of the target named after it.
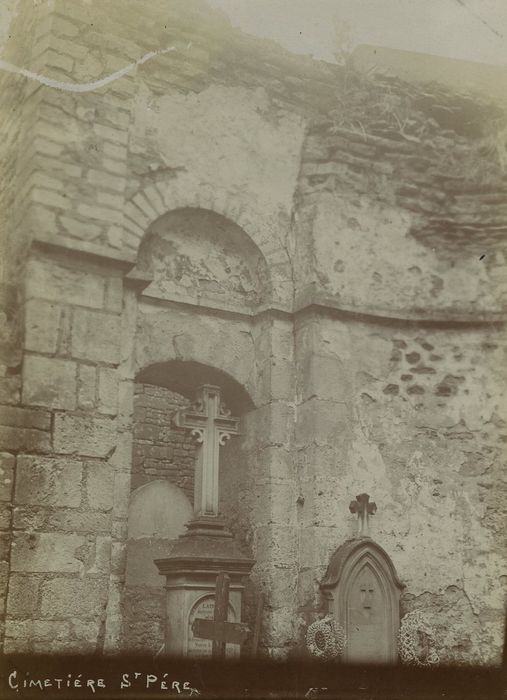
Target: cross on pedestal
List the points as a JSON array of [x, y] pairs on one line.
[[211, 424], [218, 629], [363, 508]]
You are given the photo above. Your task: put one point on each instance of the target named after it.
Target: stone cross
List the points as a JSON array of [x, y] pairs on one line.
[[211, 424], [363, 508]]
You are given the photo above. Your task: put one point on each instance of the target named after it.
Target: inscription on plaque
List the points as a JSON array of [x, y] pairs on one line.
[[205, 609]]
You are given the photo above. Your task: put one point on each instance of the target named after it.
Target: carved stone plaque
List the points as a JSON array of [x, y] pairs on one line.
[[205, 609], [367, 619]]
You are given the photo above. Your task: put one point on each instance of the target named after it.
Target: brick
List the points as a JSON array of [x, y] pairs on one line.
[[50, 198], [24, 439], [7, 462], [111, 200], [84, 435], [48, 481], [114, 166], [46, 279], [100, 213], [49, 148], [104, 179], [84, 230], [144, 205], [42, 320], [99, 486], [63, 27], [86, 383], [115, 135], [46, 552], [137, 216], [59, 61], [108, 391], [96, 336], [49, 381], [113, 150], [69, 598], [25, 417], [71, 48]]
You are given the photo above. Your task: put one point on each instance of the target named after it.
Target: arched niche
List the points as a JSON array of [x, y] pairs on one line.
[[362, 592], [201, 257], [186, 376]]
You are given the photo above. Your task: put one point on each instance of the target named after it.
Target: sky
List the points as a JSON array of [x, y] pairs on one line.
[[473, 30]]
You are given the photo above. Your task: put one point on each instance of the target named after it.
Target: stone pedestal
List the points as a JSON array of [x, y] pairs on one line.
[[191, 570]]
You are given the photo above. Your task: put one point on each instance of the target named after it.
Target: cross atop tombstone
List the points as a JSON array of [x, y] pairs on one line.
[[211, 424], [363, 508]]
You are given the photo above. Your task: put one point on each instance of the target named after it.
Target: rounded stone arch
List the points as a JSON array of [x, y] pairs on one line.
[[362, 592], [186, 376], [157, 199], [197, 256]]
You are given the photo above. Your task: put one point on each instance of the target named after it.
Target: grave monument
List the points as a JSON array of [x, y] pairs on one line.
[[362, 592], [208, 548]]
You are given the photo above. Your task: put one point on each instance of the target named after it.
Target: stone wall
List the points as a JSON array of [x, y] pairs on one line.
[[161, 451], [359, 335]]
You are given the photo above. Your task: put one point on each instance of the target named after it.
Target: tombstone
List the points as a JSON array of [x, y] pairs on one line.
[[362, 592], [207, 548]]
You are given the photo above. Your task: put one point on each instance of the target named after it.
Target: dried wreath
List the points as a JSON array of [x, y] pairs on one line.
[[325, 639]]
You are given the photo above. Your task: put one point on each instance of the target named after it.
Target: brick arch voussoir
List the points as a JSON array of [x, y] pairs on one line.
[[157, 199]]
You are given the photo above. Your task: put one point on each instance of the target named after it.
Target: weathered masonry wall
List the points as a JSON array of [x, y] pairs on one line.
[[217, 217], [160, 450]]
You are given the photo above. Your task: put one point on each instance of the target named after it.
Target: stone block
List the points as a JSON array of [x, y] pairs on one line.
[[116, 136], [48, 481], [108, 391], [5, 519], [10, 389], [96, 336], [70, 598], [269, 425], [99, 486], [275, 462], [49, 381], [47, 552], [25, 417], [114, 294], [42, 321], [34, 630], [275, 502], [86, 383], [78, 228], [45, 279], [325, 377], [105, 180], [50, 198], [23, 595], [322, 422], [84, 435], [101, 563], [79, 521], [27, 439]]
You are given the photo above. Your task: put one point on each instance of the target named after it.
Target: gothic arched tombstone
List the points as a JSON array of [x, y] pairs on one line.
[[362, 592]]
